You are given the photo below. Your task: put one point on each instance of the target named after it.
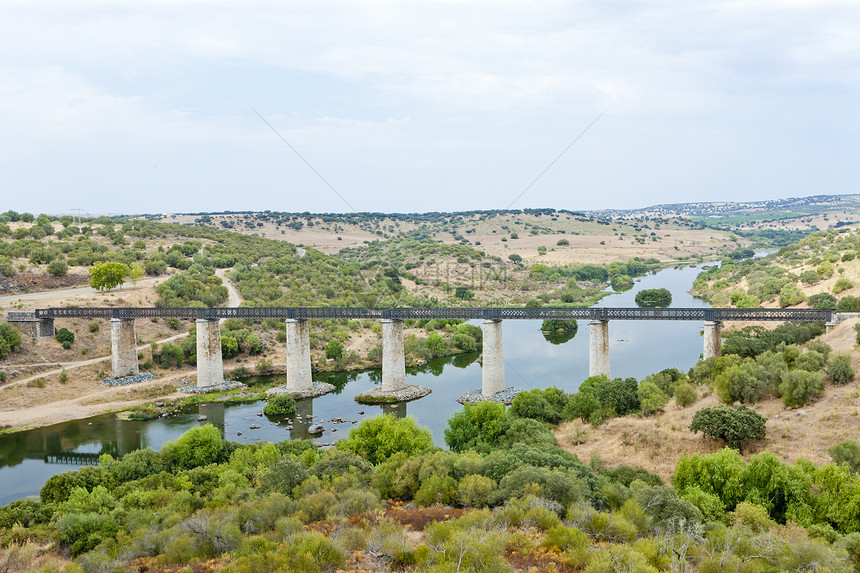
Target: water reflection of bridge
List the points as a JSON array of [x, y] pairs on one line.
[[71, 459]]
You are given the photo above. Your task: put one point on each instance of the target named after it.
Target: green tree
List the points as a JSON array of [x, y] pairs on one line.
[[198, 446], [379, 437], [790, 295], [651, 398], [334, 349], [105, 276], [476, 426], [735, 426], [822, 300], [135, 273], [436, 344], [685, 394]]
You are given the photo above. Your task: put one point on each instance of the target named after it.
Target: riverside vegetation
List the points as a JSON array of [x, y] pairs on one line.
[[511, 498], [504, 496]]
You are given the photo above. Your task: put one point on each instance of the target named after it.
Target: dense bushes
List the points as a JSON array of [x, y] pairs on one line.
[[787, 372], [202, 498]]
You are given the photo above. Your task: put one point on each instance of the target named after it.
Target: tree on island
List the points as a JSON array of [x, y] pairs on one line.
[[654, 297]]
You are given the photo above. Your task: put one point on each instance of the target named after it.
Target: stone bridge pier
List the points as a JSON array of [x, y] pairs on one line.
[[598, 348], [210, 364], [493, 365], [713, 341], [299, 375], [394, 387], [123, 348]]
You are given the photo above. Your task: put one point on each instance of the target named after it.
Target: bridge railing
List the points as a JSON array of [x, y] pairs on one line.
[[462, 313]]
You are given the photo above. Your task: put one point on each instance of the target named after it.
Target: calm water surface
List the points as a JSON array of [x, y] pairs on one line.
[[637, 348]]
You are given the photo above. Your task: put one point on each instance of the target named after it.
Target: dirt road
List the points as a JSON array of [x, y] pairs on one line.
[[101, 399], [67, 293]]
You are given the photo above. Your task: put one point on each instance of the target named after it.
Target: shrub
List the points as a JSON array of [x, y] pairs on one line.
[[842, 284], [848, 304], [799, 387], [284, 475], [475, 490], [10, 339], [685, 394], [464, 342], [790, 295], [94, 327], [840, 370], [651, 398], [65, 337], [280, 405], [464, 293], [753, 516], [848, 453], [735, 426], [58, 267], [740, 383], [822, 300], [379, 437]]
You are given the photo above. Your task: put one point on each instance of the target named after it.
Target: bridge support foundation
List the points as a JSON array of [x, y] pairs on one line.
[[393, 361], [394, 387], [46, 328], [493, 366], [123, 348], [713, 341], [299, 377], [210, 365], [598, 348]]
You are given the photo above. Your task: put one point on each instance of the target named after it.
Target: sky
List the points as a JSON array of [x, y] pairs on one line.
[[411, 106]]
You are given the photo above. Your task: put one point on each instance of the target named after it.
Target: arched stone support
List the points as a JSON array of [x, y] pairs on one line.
[[598, 348], [713, 341], [210, 365], [123, 348], [493, 365], [299, 374]]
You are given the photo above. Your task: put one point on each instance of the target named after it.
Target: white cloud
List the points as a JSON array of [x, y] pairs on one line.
[[449, 88]]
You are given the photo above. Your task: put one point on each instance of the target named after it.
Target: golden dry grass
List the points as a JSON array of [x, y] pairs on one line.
[[657, 443]]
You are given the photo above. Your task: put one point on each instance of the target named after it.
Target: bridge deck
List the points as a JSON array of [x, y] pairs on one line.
[[467, 313]]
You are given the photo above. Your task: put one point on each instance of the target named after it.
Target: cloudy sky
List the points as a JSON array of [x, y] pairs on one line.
[[132, 107]]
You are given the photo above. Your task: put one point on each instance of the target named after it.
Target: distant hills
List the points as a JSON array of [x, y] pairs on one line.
[[793, 207]]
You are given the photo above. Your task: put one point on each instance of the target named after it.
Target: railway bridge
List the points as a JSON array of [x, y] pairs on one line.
[[210, 371]]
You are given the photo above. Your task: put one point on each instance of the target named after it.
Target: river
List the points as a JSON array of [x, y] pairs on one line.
[[637, 348]]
